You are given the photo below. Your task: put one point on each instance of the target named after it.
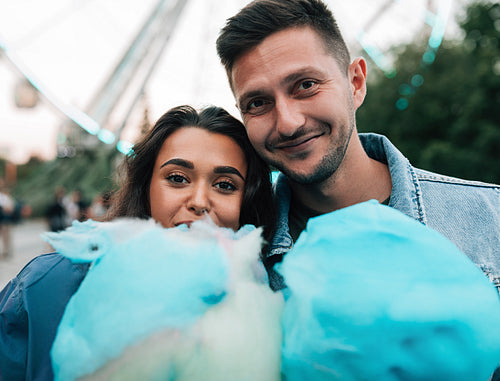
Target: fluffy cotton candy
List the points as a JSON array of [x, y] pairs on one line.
[[180, 304], [375, 295]]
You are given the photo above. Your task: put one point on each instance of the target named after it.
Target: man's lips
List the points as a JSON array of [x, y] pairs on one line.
[[297, 145]]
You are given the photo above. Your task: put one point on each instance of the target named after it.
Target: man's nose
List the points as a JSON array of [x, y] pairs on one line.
[[289, 116], [199, 200]]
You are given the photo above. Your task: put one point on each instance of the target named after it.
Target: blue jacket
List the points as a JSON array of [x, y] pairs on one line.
[[466, 212], [31, 307]]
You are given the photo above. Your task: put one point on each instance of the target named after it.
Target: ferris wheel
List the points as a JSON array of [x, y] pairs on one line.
[[93, 61], [380, 25], [90, 63]]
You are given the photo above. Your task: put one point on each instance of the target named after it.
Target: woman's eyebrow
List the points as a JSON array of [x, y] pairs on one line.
[[228, 169], [181, 162]]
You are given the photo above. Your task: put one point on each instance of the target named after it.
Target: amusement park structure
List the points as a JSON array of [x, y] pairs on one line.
[[118, 95], [104, 118]]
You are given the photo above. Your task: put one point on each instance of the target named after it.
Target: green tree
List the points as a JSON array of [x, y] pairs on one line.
[[444, 116]]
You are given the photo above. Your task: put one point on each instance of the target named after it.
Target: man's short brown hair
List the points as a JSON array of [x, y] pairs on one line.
[[261, 18]]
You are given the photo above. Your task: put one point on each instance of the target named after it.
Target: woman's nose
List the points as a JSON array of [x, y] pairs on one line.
[[199, 201]]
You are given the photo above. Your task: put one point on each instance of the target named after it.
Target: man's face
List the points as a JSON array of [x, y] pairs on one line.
[[296, 103]]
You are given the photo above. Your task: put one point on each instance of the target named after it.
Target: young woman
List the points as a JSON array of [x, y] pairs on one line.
[[210, 138], [190, 165]]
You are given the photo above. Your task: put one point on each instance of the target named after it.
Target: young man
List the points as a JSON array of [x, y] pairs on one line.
[[298, 91]]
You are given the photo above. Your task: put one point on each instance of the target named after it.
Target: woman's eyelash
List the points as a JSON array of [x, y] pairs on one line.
[[227, 185], [176, 178]]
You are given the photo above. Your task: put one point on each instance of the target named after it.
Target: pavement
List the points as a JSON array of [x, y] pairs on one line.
[[26, 244]]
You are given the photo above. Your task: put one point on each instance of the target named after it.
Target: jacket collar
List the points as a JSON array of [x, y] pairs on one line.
[[406, 195]]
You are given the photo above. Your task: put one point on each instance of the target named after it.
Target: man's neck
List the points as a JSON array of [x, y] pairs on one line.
[[359, 178]]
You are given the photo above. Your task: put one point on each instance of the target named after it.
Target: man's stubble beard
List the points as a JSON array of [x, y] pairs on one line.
[[328, 165]]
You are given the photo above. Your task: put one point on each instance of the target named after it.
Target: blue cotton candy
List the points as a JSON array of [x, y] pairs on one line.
[[88, 241], [154, 301], [375, 295]]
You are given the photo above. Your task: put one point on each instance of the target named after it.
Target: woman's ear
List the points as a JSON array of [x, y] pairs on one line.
[[357, 80]]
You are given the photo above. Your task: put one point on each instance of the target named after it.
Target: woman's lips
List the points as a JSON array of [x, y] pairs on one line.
[[188, 223]]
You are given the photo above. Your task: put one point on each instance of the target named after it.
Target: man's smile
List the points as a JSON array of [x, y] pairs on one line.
[[297, 144]]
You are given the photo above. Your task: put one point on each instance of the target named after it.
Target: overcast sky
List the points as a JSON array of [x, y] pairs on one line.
[[70, 46]]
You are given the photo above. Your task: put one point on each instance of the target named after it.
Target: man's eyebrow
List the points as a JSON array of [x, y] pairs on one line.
[[304, 72], [300, 74], [249, 95], [177, 161], [228, 169]]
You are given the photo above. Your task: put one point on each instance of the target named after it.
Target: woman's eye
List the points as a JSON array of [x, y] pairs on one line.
[[177, 179], [225, 186]]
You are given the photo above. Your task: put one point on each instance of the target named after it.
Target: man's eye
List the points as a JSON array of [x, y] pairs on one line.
[[306, 85], [256, 103], [257, 107]]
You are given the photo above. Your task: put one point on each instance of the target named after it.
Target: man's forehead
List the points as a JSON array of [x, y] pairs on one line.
[[290, 41], [255, 71]]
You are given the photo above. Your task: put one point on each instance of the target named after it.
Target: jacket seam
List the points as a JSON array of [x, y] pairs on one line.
[[454, 181], [418, 194]]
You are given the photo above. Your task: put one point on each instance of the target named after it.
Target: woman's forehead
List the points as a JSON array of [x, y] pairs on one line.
[[199, 145]]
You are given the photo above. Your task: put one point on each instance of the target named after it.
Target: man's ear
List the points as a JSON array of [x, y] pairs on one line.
[[357, 80]]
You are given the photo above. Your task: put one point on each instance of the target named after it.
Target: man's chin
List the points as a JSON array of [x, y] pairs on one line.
[[310, 177], [312, 169]]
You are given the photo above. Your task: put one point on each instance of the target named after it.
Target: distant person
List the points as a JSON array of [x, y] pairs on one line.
[[82, 204], [56, 211], [7, 218], [298, 90], [100, 206], [12, 211], [76, 207]]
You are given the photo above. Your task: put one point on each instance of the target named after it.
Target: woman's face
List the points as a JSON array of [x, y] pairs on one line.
[[198, 172]]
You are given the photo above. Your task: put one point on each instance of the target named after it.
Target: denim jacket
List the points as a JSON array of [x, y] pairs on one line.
[[466, 212]]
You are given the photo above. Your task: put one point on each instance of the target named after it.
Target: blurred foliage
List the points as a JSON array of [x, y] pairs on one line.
[[3, 162], [90, 171], [449, 122]]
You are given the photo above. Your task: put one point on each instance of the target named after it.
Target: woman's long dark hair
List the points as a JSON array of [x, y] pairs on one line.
[[132, 198]]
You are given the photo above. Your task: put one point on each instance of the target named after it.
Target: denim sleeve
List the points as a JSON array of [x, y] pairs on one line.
[[31, 306], [13, 332]]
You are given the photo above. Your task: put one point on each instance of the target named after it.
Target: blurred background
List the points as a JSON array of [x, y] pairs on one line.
[[80, 80]]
